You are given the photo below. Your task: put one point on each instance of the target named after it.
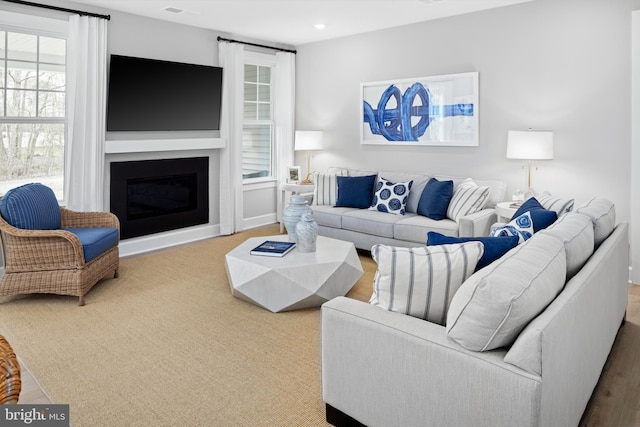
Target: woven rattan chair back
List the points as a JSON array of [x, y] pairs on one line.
[[10, 382]]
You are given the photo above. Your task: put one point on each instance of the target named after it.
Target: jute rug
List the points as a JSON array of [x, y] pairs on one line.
[[166, 344]]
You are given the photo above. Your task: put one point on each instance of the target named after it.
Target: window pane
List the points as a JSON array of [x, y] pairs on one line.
[[251, 73], [264, 111], [1, 102], [21, 103], [51, 104], [256, 151], [2, 69], [52, 50], [32, 152], [250, 110], [21, 75], [51, 77], [265, 75], [22, 46], [250, 92], [264, 92], [2, 39]]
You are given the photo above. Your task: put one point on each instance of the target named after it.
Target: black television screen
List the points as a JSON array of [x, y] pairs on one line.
[[152, 95]]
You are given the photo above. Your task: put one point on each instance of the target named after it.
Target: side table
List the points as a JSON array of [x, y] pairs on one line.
[[293, 189], [505, 211]]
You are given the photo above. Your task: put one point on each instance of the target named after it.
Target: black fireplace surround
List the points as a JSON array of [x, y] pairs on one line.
[[151, 196]]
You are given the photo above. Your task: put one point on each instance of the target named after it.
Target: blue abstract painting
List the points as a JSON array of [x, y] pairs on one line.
[[437, 110]]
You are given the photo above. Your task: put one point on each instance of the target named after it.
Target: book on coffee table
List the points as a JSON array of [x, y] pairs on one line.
[[273, 248]]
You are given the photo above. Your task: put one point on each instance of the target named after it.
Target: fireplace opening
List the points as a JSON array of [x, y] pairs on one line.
[[151, 196]]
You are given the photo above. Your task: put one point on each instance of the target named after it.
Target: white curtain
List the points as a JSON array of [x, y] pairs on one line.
[[231, 58], [284, 116], [86, 104]]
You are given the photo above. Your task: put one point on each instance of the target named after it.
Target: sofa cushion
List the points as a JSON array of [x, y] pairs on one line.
[[541, 217], [329, 216], [521, 226], [559, 205], [494, 247], [435, 199], [391, 197], [603, 215], [31, 207], [414, 228], [421, 281], [496, 303], [370, 222], [355, 191], [575, 230], [95, 241], [326, 188], [467, 198]]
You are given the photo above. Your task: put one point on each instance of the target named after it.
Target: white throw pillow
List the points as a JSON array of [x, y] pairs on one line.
[[491, 308], [326, 190], [522, 226], [467, 199], [421, 281], [391, 197]]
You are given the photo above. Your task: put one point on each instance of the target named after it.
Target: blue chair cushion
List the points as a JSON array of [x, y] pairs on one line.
[[31, 207], [95, 241]]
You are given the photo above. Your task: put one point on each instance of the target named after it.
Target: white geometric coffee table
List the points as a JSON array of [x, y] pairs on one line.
[[297, 280]]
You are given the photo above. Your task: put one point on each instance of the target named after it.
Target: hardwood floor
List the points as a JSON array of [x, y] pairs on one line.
[[615, 400]]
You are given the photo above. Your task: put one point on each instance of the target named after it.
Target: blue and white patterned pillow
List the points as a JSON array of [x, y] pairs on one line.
[[391, 197], [522, 226]]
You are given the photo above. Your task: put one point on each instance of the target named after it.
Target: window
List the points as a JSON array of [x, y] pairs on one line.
[[257, 130], [32, 110]]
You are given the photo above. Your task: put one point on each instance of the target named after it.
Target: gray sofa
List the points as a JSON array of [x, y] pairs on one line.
[[365, 227], [384, 368]]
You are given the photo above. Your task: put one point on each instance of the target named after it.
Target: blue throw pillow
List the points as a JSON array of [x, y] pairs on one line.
[[494, 247], [541, 217], [355, 191], [435, 198]]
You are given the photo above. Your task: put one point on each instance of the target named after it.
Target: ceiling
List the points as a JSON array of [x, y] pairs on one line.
[[292, 22]]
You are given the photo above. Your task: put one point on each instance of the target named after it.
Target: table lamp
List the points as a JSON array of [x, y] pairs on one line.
[[308, 140], [530, 146]]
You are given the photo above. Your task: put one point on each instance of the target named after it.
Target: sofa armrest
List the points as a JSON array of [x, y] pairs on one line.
[[477, 224], [384, 368]]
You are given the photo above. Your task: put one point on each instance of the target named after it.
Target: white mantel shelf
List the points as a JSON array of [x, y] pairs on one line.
[[155, 145]]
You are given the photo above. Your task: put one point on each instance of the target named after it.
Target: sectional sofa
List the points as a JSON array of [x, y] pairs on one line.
[[524, 341], [365, 227]]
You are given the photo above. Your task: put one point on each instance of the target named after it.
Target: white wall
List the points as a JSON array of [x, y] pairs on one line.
[[635, 150], [560, 65]]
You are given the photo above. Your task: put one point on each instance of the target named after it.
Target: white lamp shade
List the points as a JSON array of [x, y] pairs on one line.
[[530, 145], [307, 140]]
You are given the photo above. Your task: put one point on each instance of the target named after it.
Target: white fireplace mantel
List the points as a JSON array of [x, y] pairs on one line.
[[156, 145]]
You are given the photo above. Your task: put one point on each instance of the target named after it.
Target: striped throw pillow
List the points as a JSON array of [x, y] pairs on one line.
[[467, 199], [326, 191], [556, 204], [421, 281]]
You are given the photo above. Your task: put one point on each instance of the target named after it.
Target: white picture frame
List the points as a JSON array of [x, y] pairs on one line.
[[293, 175]]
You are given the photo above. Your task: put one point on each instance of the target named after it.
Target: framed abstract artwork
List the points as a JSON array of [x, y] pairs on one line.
[[437, 111]]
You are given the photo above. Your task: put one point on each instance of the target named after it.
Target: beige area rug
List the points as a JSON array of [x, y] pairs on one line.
[[166, 344]]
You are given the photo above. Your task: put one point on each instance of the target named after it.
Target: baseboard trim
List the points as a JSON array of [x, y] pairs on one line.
[[139, 245]]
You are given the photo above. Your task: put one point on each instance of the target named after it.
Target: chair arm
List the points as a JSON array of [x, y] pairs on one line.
[[29, 250], [75, 219], [477, 224]]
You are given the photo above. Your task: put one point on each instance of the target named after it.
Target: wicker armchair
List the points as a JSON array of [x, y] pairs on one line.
[[52, 260], [10, 383]]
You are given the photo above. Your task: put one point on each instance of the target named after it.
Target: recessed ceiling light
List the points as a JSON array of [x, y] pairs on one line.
[[173, 9], [320, 26]]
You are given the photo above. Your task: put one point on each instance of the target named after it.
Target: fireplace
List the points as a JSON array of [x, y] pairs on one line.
[[151, 196]]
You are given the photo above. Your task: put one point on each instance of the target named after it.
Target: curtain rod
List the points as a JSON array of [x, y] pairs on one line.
[[255, 44], [61, 9]]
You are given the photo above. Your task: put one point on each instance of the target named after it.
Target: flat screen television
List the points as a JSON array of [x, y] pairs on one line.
[[153, 95]]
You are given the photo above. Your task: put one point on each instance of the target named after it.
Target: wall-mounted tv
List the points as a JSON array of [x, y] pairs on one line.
[[152, 95]]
